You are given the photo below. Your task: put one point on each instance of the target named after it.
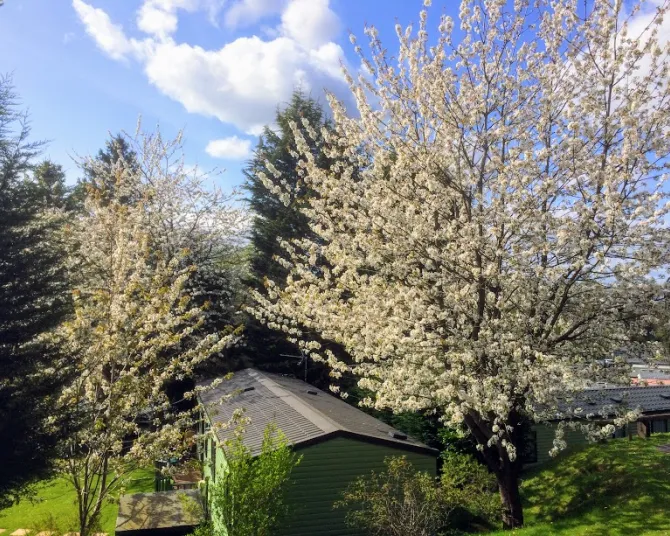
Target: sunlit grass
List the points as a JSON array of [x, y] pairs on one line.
[[53, 506], [617, 488]]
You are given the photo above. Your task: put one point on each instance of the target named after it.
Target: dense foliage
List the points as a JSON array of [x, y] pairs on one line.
[[401, 500], [249, 498], [33, 299], [494, 220]]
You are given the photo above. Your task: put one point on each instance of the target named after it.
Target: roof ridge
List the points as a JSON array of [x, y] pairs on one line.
[[621, 387], [316, 417]]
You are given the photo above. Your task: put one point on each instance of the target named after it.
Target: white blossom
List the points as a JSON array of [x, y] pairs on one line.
[[497, 217], [136, 325]]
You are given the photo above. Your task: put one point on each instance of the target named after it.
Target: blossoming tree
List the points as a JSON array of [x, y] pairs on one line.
[[136, 325], [496, 217]]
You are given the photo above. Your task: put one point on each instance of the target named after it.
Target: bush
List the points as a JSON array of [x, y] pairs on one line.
[[396, 502], [249, 497], [470, 486], [401, 501]]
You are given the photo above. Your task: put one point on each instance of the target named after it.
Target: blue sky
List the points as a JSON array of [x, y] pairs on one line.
[[217, 68]]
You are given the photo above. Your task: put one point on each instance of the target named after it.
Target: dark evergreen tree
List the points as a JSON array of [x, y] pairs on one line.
[[50, 190], [101, 177], [274, 220], [33, 299], [17, 152]]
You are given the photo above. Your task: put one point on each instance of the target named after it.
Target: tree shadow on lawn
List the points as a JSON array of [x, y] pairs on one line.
[[620, 487]]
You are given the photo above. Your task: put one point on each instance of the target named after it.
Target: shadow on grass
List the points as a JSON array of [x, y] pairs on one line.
[[618, 487]]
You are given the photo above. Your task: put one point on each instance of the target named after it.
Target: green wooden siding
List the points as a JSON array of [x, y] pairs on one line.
[[546, 433], [318, 481], [324, 472], [213, 455], [209, 462]]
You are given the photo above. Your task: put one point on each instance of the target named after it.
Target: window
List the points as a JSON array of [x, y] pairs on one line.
[[529, 451], [659, 426]]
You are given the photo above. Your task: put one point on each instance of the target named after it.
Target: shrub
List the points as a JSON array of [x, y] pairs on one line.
[[249, 497], [396, 502], [400, 500], [469, 486]]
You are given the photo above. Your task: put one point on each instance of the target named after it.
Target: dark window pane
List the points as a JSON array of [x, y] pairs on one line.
[[529, 452]]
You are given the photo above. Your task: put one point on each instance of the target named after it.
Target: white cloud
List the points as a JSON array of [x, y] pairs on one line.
[[244, 13], [156, 21], [242, 82], [68, 37], [159, 17], [232, 148], [310, 22], [108, 36]]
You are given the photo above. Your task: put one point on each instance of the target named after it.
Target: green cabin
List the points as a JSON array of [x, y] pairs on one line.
[[599, 404], [338, 443]]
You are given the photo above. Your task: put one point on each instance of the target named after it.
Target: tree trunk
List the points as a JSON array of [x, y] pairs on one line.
[[508, 485], [506, 471]]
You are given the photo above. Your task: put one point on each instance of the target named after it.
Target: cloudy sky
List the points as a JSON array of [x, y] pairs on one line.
[[217, 68]]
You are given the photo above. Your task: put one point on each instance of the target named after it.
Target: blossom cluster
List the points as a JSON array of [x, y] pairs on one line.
[[149, 228], [496, 217]]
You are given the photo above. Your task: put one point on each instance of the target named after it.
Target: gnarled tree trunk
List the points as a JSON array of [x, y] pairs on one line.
[[508, 485], [506, 470]]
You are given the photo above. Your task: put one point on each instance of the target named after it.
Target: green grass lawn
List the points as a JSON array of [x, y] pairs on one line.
[[53, 506], [618, 488]]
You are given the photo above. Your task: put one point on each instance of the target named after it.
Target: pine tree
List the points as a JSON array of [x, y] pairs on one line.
[[98, 172], [50, 190], [33, 299], [276, 218]]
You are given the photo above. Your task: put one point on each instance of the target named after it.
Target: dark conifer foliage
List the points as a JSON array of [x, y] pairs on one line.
[[274, 220], [101, 179], [50, 190], [33, 299]]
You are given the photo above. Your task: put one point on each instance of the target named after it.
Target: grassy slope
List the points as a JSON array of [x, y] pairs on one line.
[[53, 507], [618, 488]]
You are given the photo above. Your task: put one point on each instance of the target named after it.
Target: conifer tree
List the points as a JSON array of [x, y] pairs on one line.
[[50, 190], [33, 299], [98, 171], [277, 218]]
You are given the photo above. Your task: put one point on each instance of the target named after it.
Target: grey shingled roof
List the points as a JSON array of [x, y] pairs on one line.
[[302, 416], [650, 374], [646, 399]]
